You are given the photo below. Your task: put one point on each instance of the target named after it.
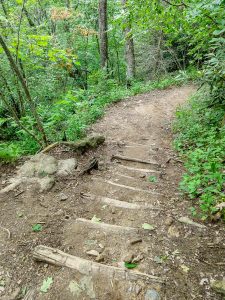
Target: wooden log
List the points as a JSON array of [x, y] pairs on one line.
[[86, 267], [120, 157]]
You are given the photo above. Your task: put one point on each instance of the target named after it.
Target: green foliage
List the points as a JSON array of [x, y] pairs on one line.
[[37, 227], [46, 285], [152, 179], [130, 265], [201, 139], [72, 113]]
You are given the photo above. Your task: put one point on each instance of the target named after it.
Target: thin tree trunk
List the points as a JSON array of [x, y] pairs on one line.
[[17, 120], [103, 36], [4, 8], [31, 23], [129, 48], [15, 69]]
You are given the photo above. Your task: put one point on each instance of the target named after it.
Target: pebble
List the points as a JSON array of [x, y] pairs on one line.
[[173, 231], [128, 258], [135, 241], [93, 253], [169, 221], [152, 295], [100, 258], [63, 197], [138, 258]]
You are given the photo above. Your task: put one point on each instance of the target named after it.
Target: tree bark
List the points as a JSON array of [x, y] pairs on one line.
[[103, 36], [129, 48]]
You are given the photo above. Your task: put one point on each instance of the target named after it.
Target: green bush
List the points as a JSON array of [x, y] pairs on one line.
[[200, 139]]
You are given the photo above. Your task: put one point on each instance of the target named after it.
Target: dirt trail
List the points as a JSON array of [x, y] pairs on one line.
[[174, 260]]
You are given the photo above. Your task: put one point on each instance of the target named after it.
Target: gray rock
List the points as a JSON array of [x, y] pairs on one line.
[[63, 197], [46, 183], [152, 295], [218, 286], [66, 167], [40, 165]]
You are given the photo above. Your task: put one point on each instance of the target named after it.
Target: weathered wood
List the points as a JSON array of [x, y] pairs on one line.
[[107, 227], [129, 187], [134, 160], [30, 295], [127, 205], [86, 267], [81, 146], [139, 170]]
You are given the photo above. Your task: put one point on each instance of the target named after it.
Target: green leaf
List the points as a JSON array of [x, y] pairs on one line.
[[152, 179], [46, 285], [147, 226], [37, 227], [130, 265], [96, 220]]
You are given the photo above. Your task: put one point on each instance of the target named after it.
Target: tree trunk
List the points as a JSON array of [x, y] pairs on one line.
[[129, 48], [103, 36], [16, 70]]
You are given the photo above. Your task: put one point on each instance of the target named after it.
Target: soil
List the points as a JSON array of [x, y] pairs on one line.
[[187, 257]]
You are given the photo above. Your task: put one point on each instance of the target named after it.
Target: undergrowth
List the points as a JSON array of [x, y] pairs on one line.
[[69, 116], [200, 139]]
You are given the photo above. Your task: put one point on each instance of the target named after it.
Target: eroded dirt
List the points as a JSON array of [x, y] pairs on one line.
[[187, 257]]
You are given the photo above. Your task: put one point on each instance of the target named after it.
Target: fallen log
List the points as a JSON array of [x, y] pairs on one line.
[[80, 146], [87, 267]]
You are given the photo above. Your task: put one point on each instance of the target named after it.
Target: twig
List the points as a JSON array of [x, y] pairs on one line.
[[19, 193], [7, 230]]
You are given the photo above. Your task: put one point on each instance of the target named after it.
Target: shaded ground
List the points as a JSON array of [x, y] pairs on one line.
[[187, 257]]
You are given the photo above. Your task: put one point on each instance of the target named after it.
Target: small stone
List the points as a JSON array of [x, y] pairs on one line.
[[135, 241], [101, 246], [173, 231], [63, 197], [138, 290], [169, 221], [128, 258], [93, 253], [138, 258], [100, 258], [152, 295], [113, 210], [218, 286]]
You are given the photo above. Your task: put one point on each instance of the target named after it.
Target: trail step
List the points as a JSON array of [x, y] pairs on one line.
[[138, 169], [127, 205], [128, 187], [137, 160], [86, 267], [106, 226]]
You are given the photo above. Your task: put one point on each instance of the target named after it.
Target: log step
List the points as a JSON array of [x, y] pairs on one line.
[[126, 205], [136, 160], [107, 227], [139, 169], [87, 267], [128, 187]]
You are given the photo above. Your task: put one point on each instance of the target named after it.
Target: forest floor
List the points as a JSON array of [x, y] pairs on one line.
[[124, 211]]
